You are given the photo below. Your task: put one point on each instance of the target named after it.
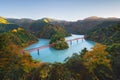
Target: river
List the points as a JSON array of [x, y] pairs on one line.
[[51, 55]]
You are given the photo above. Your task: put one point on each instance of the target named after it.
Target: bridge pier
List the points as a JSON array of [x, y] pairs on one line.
[[82, 39], [38, 51], [77, 40], [70, 42], [50, 45]]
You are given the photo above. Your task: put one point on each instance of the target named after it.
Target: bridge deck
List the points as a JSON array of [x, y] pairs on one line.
[[50, 45]]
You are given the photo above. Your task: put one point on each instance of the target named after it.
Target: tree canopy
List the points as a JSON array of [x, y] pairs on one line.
[[59, 41]]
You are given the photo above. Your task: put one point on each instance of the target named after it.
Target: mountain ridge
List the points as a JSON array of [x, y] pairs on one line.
[[55, 19], [3, 20], [75, 27]]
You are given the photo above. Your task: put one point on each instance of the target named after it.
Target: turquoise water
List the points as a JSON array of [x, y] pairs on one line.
[[51, 55]]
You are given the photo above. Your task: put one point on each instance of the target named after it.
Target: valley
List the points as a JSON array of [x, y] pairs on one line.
[[96, 57]]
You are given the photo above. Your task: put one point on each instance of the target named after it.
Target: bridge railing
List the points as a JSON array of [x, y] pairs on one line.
[[50, 45]]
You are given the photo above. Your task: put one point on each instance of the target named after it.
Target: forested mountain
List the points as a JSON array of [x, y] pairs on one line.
[[24, 22], [48, 30], [78, 27], [41, 28], [20, 21], [3, 21], [58, 40], [109, 33], [28, 24], [18, 37], [6, 26], [37, 26], [17, 66], [14, 62], [102, 62]]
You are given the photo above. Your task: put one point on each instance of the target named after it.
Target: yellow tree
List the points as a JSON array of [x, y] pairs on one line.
[[96, 57]]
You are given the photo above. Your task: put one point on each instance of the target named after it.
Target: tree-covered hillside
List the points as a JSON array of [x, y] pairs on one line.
[[14, 63], [49, 30], [109, 35], [106, 32], [58, 40], [3, 21], [37, 25], [7, 27], [77, 27], [16, 66], [102, 62], [18, 37]]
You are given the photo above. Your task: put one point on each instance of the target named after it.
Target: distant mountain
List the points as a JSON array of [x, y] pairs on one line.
[[18, 37], [49, 30], [76, 27], [101, 19], [49, 20], [19, 21], [24, 22], [37, 25], [43, 28], [6, 25], [107, 32], [29, 23], [84, 26], [93, 18], [3, 21]]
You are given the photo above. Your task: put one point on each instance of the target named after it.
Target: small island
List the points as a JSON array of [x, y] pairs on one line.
[[59, 41]]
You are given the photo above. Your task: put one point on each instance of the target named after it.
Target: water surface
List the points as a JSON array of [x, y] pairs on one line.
[[51, 55]]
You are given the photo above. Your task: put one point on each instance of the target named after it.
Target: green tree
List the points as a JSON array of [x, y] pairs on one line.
[[59, 72], [96, 57], [59, 41]]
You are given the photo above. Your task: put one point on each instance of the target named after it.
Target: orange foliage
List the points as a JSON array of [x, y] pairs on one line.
[[20, 29], [14, 30], [97, 56]]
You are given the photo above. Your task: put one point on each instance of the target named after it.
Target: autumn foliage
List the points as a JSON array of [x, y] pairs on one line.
[[97, 56]]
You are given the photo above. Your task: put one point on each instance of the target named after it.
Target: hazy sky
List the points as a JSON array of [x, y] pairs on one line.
[[60, 9]]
